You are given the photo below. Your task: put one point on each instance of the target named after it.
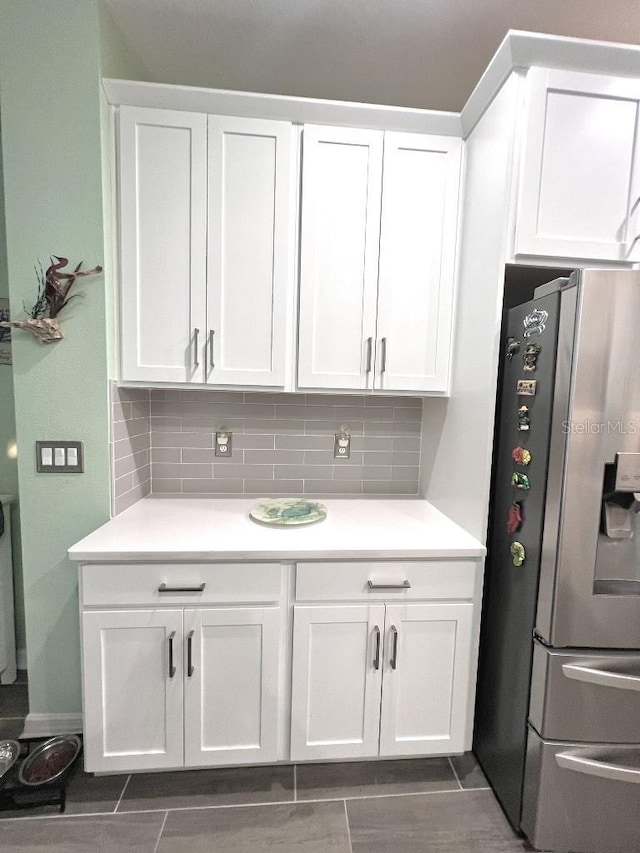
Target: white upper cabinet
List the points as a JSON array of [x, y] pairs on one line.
[[250, 250], [378, 237], [341, 179], [207, 215], [417, 260], [579, 188], [163, 224]]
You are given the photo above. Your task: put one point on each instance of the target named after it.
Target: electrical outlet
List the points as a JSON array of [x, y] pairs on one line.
[[223, 443], [59, 457], [342, 446]]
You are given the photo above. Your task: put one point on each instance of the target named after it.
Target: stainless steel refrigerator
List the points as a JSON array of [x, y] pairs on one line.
[[557, 729]]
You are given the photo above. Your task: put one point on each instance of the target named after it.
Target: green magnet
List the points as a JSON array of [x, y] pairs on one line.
[[524, 421], [520, 481], [518, 554]]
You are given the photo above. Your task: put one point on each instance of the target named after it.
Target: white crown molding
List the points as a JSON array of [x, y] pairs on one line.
[[280, 107], [522, 50]]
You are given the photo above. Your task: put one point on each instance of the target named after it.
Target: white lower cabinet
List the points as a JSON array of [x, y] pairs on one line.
[[170, 688], [133, 704], [335, 710], [380, 679], [231, 685], [189, 664]]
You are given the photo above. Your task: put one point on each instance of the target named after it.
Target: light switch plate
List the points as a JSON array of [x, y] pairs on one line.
[[57, 457]]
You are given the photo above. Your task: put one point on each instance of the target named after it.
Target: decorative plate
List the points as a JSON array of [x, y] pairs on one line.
[[287, 512]]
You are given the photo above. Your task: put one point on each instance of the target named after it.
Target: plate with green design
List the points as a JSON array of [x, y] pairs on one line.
[[288, 512]]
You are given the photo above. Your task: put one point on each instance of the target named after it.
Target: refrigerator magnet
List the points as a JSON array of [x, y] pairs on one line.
[[526, 387], [521, 456], [520, 481], [530, 356], [535, 323], [513, 346], [518, 554], [524, 421], [514, 519]]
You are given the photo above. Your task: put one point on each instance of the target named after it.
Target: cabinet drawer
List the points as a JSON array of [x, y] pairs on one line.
[[135, 584], [405, 580]]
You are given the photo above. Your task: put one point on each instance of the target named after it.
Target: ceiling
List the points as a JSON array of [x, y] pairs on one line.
[[414, 53]]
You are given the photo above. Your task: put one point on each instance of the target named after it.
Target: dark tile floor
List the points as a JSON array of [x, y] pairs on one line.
[[435, 805]]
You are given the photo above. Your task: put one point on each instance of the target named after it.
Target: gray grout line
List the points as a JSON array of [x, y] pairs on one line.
[[247, 805], [124, 788], [295, 783], [346, 816], [454, 772], [166, 815]]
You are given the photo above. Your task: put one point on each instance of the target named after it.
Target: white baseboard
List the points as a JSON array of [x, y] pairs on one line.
[[21, 656], [48, 725]]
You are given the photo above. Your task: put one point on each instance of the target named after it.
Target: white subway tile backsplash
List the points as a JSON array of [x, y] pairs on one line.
[[282, 443]]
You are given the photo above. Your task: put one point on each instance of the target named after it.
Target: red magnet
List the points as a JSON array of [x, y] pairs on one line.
[[514, 520]]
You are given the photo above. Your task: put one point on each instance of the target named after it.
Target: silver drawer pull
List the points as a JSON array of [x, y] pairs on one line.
[[212, 363], [172, 669], [190, 666], [404, 585], [376, 660], [393, 660], [604, 677], [607, 767], [164, 588], [196, 360]]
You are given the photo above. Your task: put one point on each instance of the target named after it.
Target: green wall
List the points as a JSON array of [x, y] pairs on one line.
[[8, 462], [51, 138]]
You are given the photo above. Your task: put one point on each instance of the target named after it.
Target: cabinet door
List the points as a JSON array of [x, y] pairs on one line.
[[337, 670], [132, 680], [163, 216], [417, 259], [426, 678], [231, 689], [340, 228], [252, 204], [579, 176]]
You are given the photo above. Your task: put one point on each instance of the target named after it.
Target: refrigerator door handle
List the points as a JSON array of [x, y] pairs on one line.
[[604, 677], [584, 762]]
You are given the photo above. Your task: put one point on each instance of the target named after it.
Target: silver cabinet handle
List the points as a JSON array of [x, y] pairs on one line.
[[172, 669], [190, 667], [211, 359], [393, 660], [603, 677], [404, 585], [376, 659], [164, 588], [369, 354], [196, 362], [606, 766], [383, 356]]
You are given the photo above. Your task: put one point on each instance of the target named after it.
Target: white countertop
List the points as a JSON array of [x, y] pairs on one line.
[[159, 528]]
